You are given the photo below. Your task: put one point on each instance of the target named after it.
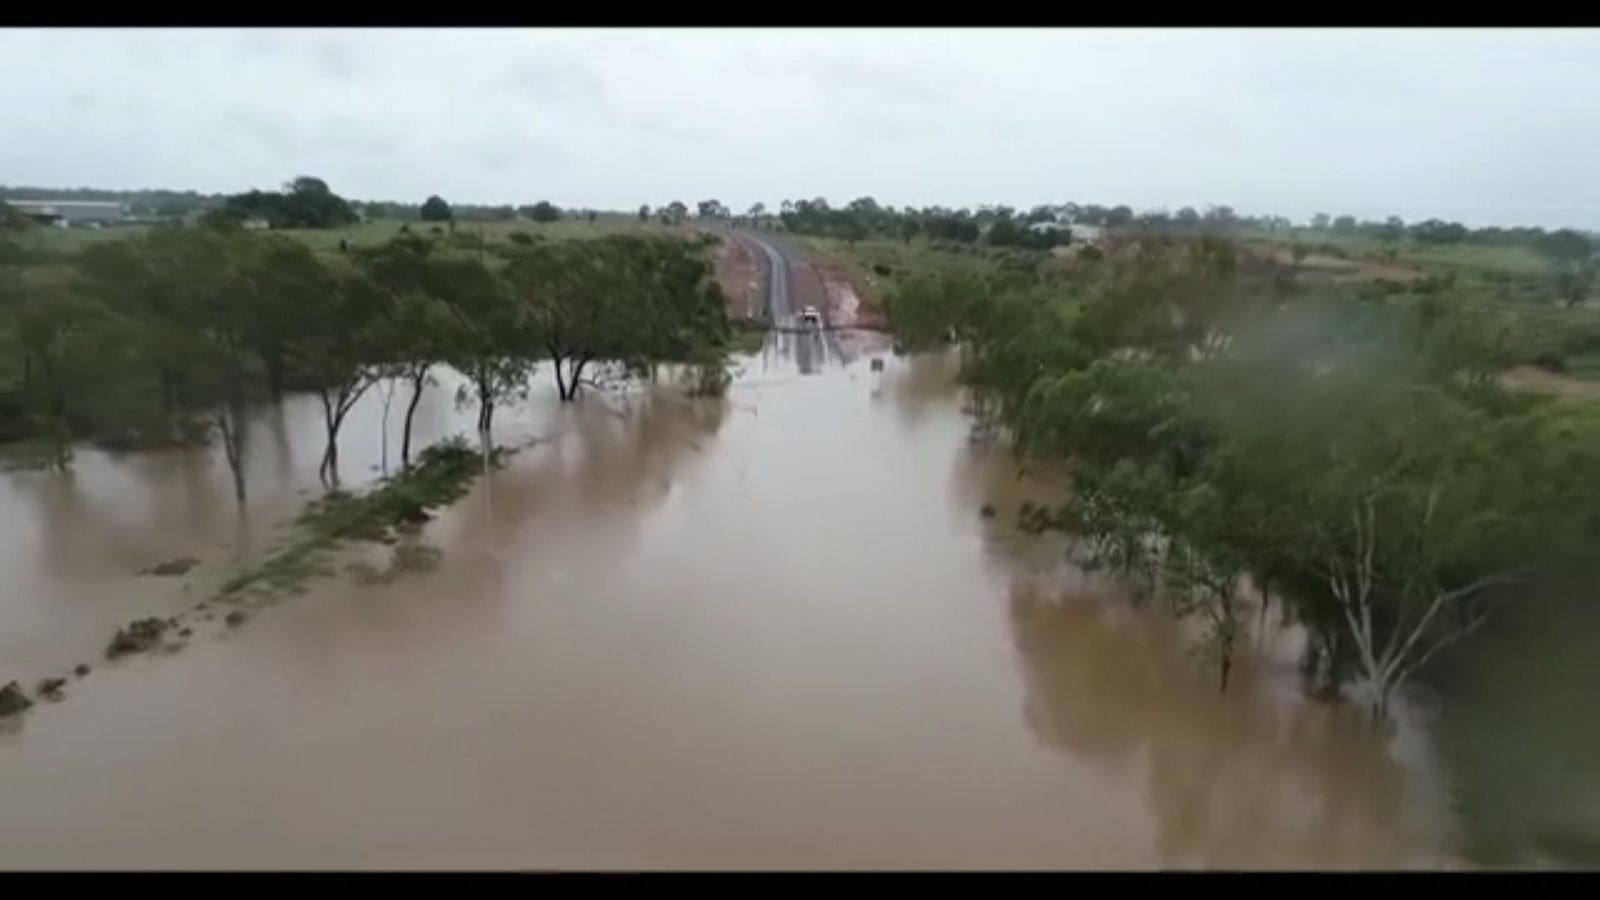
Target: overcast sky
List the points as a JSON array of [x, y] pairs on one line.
[[1485, 127]]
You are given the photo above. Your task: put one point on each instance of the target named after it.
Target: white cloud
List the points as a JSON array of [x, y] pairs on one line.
[[1482, 126]]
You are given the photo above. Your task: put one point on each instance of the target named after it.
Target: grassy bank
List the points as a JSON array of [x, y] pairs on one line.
[[392, 513], [398, 506]]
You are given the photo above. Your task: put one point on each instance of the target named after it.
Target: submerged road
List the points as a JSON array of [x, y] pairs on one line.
[[782, 263]]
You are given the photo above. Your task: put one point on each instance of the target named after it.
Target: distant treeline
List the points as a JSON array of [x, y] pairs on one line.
[[305, 202], [998, 224], [1004, 226]]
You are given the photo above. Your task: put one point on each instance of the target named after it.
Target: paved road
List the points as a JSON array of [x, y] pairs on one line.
[[780, 308], [782, 262]]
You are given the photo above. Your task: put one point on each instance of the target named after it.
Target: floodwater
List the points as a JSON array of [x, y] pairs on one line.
[[771, 631]]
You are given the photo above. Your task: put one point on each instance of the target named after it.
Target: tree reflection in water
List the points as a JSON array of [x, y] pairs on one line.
[[1242, 779]]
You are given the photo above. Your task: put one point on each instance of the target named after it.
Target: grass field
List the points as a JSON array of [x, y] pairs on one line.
[[880, 264], [59, 242], [1507, 259], [379, 231]]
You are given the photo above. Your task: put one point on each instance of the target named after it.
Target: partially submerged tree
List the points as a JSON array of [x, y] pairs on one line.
[[61, 335], [338, 346], [624, 300], [492, 339], [189, 294], [420, 329]]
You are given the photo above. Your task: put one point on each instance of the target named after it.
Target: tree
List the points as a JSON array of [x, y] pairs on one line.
[[1039, 214], [1319, 222], [338, 345], [434, 209], [757, 211], [311, 203], [1433, 525], [420, 329], [622, 300], [676, 212], [545, 211], [1572, 255], [288, 286], [644, 212], [1437, 231], [712, 209], [951, 228], [1575, 281], [576, 294], [61, 334], [305, 202], [1565, 246], [1351, 459], [1345, 225], [1003, 233], [493, 339], [189, 296]]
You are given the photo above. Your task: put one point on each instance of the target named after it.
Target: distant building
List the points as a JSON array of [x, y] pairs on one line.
[[1086, 234], [71, 213]]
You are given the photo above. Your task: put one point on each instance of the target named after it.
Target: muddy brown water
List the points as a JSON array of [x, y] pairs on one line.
[[773, 631]]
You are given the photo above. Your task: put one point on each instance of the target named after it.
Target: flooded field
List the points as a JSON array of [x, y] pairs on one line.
[[771, 631]]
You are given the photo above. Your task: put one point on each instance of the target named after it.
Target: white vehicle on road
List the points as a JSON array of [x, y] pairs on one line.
[[810, 317]]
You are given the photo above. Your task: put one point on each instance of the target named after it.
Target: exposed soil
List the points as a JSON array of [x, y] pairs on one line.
[[1344, 270], [1533, 378], [849, 303], [738, 273]]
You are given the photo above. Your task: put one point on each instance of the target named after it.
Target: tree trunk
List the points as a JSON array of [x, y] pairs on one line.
[[332, 417], [485, 408], [573, 376], [561, 384], [1261, 618], [383, 426], [229, 422], [238, 483], [418, 382], [274, 363], [330, 463]]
